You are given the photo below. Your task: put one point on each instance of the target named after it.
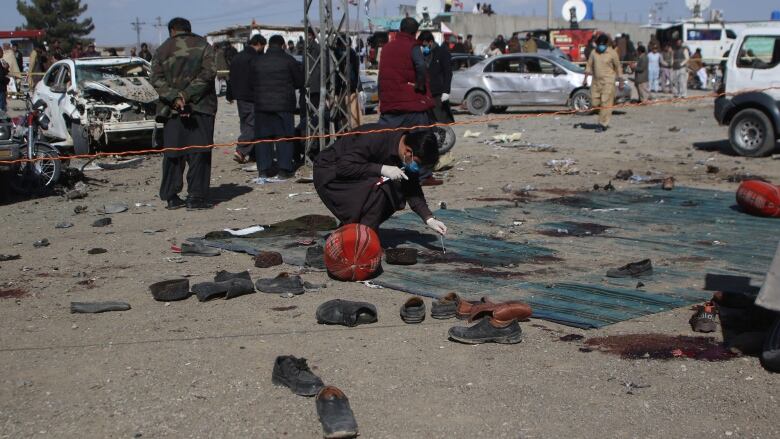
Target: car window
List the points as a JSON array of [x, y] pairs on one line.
[[507, 65], [92, 72], [704, 34], [51, 77], [759, 52], [542, 44], [730, 34], [65, 78]]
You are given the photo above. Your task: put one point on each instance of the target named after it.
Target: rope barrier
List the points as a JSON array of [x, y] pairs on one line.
[[483, 120]]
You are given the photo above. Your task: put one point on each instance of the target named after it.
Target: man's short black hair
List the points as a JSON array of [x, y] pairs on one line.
[[641, 49], [180, 25], [469, 36], [276, 41], [425, 35], [257, 40], [424, 146], [602, 39], [409, 26]]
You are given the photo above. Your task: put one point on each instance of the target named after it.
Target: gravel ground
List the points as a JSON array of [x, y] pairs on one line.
[[191, 369]]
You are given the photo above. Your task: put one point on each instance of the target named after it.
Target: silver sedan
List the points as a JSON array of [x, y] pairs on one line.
[[523, 80]]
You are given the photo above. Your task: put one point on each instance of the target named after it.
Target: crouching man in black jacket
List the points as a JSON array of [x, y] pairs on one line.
[[275, 77]]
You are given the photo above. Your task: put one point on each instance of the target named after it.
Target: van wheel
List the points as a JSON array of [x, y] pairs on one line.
[[751, 133], [478, 103]]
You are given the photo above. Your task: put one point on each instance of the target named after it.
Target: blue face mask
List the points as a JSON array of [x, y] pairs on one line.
[[601, 48], [412, 167], [426, 50]]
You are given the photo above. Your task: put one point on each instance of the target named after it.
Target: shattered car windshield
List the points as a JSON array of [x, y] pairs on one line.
[[100, 73]]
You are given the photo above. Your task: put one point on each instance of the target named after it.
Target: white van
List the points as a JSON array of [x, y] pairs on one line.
[[714, 39], [751, 104]]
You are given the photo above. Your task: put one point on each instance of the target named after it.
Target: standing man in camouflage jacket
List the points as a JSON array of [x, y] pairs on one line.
[[183, 72]]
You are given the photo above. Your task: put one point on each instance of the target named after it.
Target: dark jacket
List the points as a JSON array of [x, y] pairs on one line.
[[397, 77], [347, 172], [354, 73], [184, 67], [239, 82], [439, 70], [641, 70], [274, 78]]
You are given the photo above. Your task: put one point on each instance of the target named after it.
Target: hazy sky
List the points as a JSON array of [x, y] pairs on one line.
[[112, 17]]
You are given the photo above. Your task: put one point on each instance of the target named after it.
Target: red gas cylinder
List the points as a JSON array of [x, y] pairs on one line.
[[759, 198], [353, 253]]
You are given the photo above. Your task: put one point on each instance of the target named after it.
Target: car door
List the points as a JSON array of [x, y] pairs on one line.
[[757, 65], [507, 81], [549, 80], [44, 92]]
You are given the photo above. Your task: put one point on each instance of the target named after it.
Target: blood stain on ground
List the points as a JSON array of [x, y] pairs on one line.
[[284, 308], [661, 347], [571, 337], [14, 293], [477, 271]]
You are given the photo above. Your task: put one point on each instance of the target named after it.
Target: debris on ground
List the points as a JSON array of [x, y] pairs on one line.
[[63, 225], [41, 243], [624, 174], [98, 307], [78, 192], [471, 134], [101, 222], [563, 166], [4, 258], [13, 293], [745, 176], [674, 130], [80, 209], [508, 138], [668, 184], [245, 231], [112, 208], [96, 251], [121, 164], [712, 169]]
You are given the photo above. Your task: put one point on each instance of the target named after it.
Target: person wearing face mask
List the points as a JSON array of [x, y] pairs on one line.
[[366, 178], [439, 63], [604, 66]]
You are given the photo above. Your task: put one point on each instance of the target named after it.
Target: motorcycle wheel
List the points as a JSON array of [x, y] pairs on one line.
[[445, 137], [38, 177]]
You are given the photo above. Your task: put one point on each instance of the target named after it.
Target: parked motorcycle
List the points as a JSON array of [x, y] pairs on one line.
[[20, 138]]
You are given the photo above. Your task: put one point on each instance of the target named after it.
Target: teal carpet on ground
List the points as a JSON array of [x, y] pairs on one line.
[[552, 253]]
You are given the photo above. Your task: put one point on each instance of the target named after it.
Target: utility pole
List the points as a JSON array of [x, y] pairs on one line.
[[159, 26], [137, 28], [549, 14]]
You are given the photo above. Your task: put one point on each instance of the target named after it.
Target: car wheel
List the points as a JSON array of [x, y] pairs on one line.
[[478, 103], [445, 137], [581, 101], [751, 133], [80, 139], [501, 109]]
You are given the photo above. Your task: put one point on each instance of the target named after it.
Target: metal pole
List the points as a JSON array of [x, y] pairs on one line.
[[549, 14]]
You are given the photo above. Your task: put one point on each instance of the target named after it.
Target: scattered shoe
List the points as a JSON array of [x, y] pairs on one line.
[[198, 249], [97, 307], [175, 203], [633, 269], [668, 184], [504, 311], [170, 290], [467, 307], [294, 373], [198, 204], [223, 276], [228, 289], [265, 259], [284, 283], [401, 256], [346, 313], [335, 414], [315, 257], [413, 311], [601, 129], [4, 258], [488, 331], [112, 208], [703, 320], [431, 181], [101, 222], [445, 307]]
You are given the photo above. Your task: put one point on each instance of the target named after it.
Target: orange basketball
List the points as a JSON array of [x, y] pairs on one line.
[[353, 253], [759, 198]]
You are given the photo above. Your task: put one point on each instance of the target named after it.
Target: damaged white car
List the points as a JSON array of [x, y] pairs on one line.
[[99, 102]]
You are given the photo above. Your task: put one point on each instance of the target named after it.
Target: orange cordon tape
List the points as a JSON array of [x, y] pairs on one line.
[[386, 130]]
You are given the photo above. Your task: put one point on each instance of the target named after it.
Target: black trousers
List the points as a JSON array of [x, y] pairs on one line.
[[379, 207], [246, 120], [195, 130], [273, 126]]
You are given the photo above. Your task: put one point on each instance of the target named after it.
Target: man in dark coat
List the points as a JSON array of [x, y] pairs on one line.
[[366, 178], [183, 72], [275, 76], [145, 53], [439, 63], [239, 88]]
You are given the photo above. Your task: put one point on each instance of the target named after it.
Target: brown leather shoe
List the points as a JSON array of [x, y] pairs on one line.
[[467, 307], [504, 311]]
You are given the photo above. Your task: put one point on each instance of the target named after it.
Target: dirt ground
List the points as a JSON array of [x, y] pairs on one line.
[[190, 369]]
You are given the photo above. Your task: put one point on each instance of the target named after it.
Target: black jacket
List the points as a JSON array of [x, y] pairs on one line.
[[274, 78], [346, 173], [439, 70], [239, 85]]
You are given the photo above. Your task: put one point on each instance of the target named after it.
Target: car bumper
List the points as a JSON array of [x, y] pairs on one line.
[[129, 127], [723, 106]]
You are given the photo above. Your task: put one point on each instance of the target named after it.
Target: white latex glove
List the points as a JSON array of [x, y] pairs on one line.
[[445, 97], [437, 226], [393, 173]]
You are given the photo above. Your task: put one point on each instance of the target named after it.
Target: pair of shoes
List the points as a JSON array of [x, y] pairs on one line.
[[431, 181], [175, 203], [198, 204], [489, 330], [333, 409], [504, 311], [633, 269], [703, 320], [346, 313], [413, 311], [284, 283]]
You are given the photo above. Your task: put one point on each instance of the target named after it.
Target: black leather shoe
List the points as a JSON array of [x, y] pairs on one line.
[[175, 203], [413, 311], [335, 414], [227, 289], [198, 204], [488, 331], [284, 283], [345, 312], [445, 307], [295, 374], [634, 269], [226, 275]]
